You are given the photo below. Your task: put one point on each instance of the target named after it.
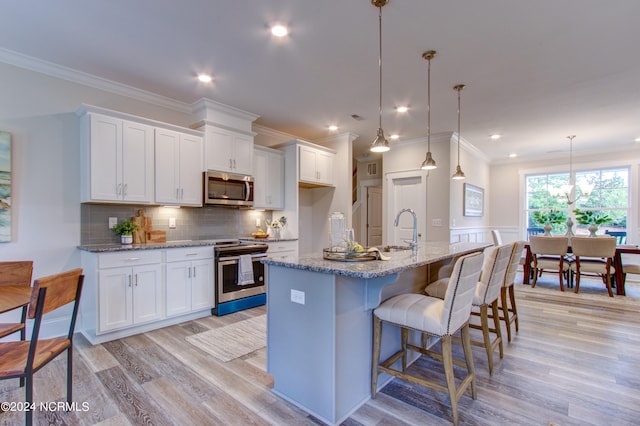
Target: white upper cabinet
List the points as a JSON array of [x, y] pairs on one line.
[[316, 166], [178, 166], [268, 174], [228, 151], [117, 160]]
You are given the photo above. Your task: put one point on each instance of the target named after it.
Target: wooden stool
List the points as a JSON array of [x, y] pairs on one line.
[[435, 317], [507, 292]]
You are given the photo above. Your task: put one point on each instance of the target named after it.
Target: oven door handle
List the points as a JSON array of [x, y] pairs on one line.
[[248, 187], [230, 259]]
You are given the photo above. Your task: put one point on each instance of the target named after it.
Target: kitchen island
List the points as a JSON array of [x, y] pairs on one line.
[[319, 322]]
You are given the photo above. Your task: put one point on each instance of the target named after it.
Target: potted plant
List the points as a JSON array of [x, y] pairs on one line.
[[552, 217], [276, 226], [592, 218], [125, 230]]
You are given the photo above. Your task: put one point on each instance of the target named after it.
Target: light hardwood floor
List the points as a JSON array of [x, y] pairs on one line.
[[575, 361]]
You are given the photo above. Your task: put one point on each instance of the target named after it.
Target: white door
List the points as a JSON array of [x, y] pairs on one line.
[[374, 216], [406, 190], [147, 294]]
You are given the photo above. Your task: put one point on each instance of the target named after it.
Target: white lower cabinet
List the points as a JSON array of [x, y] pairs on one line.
[[129, 290], [282, 248], [189, 280]]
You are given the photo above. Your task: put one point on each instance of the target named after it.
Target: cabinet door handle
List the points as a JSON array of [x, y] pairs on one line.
[[177, 193], [124, 192], [194, 272], [181, 193], [129, 280], [230, 163], [136, 280], [234, 163], [130, 259], [189, 274], [119, 189]]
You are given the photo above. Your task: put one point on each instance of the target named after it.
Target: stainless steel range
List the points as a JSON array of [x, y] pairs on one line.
[[231, 294]]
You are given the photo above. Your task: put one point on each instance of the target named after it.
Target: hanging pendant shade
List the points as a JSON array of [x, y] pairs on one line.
[[429, 163], [380, 143], [459, 174]]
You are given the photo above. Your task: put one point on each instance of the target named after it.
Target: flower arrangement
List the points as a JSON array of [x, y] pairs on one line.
[[589, 217], [553, 216], [277, 223]]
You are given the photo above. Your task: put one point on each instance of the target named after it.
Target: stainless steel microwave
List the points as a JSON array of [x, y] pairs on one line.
[[228, 189]]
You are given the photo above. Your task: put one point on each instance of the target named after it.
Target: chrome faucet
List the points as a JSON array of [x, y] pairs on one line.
[[414, 242]]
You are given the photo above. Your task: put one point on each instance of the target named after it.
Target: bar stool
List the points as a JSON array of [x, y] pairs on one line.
[[486, 296], [507, 292], [435, 317]]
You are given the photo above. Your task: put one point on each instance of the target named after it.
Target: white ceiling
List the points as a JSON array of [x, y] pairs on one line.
[[536, 71]]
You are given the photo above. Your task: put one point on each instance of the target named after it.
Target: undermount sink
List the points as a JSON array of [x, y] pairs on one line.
[[389, 249]]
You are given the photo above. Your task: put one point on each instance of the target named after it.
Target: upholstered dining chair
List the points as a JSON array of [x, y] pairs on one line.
[[594, 256], [507, 291], [486, 297], [497, 237], [21, 359], [549, 256], [630, 263], [434, 317], [16, 273]]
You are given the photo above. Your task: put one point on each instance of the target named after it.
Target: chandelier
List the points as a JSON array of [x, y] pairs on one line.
[[380, 143], [566, 191]]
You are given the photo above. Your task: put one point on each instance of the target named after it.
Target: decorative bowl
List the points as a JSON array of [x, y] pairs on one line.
[[254, 235]]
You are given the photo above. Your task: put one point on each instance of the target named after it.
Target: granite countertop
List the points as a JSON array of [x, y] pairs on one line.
[[267, 240], [104, 248], [429, 252]]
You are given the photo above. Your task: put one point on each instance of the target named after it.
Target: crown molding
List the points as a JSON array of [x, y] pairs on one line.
[[276, 134], [64, 73]]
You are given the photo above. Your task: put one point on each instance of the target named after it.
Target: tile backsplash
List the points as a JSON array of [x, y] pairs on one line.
[[191, 223]]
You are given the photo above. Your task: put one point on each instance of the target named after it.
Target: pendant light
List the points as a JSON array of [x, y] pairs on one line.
[[459, 174], [380, 143], [429, 163]]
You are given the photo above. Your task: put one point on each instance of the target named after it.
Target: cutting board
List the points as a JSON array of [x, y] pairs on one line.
[[144, 225], [156, 236]]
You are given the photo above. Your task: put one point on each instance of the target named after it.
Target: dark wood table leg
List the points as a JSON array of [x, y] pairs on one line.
[[526, 268], [619, 274]]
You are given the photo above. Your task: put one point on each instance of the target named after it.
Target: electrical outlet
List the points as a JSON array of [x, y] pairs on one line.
[[172, 223], [113, 221], [297, 296], [436, 222]]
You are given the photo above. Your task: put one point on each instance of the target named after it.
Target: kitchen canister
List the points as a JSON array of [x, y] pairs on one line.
[[336, 231]]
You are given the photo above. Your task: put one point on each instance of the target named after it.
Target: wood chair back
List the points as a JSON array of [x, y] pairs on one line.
[[16, 273]]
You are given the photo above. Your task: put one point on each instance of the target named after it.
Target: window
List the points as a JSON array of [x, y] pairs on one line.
[[605, 191]]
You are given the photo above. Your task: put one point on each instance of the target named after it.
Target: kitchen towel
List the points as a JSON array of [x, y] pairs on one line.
[[245, 270]]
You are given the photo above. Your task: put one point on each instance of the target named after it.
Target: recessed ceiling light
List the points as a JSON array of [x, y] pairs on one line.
[[402, 109], [333, 127], [513, 155], [637, 139], [495, 136], [205, 78], [394, 136], [279, 30]]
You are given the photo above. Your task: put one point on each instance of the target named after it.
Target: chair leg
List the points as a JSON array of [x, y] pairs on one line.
[[377, 337], [505, 311], [468, 357], [484, 323], [447, 361], [496, 323], [608, 283], [561, 279], [29, 399], [404, 334], [577, 274], [70, 373], [514, 309]]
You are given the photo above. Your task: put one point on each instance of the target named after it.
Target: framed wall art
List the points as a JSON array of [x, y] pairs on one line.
[[473, 200], [5, 187]]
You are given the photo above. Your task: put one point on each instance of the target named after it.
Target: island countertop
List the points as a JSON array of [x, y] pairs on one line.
[[428, 253]]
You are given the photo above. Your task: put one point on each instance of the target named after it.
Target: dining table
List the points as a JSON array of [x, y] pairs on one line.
[[14, 297], [618, 276]]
